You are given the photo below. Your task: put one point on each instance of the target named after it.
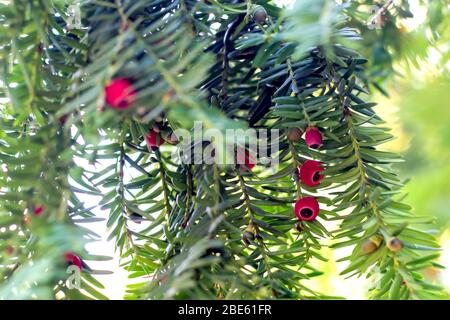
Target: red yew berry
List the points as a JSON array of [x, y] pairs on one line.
[[63, 119], [245, 160], [9, 250], [38, 211], [154, 139], [73, 259], [313, 137], [307, 209], [119, 93], [309, 173]]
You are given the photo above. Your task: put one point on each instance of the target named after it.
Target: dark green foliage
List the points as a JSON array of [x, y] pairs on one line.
[[198, 230]]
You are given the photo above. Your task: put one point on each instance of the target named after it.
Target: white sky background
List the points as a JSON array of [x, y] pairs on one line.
[[350, 288], [114, 283]]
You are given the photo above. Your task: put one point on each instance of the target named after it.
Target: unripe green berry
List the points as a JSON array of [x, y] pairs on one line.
[[372, 244], [394, 244]]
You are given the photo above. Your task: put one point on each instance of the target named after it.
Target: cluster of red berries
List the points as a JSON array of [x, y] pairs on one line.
[[309, 173], [120, 94]]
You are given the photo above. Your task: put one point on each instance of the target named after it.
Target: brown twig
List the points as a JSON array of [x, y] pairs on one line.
[[380, 11]]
